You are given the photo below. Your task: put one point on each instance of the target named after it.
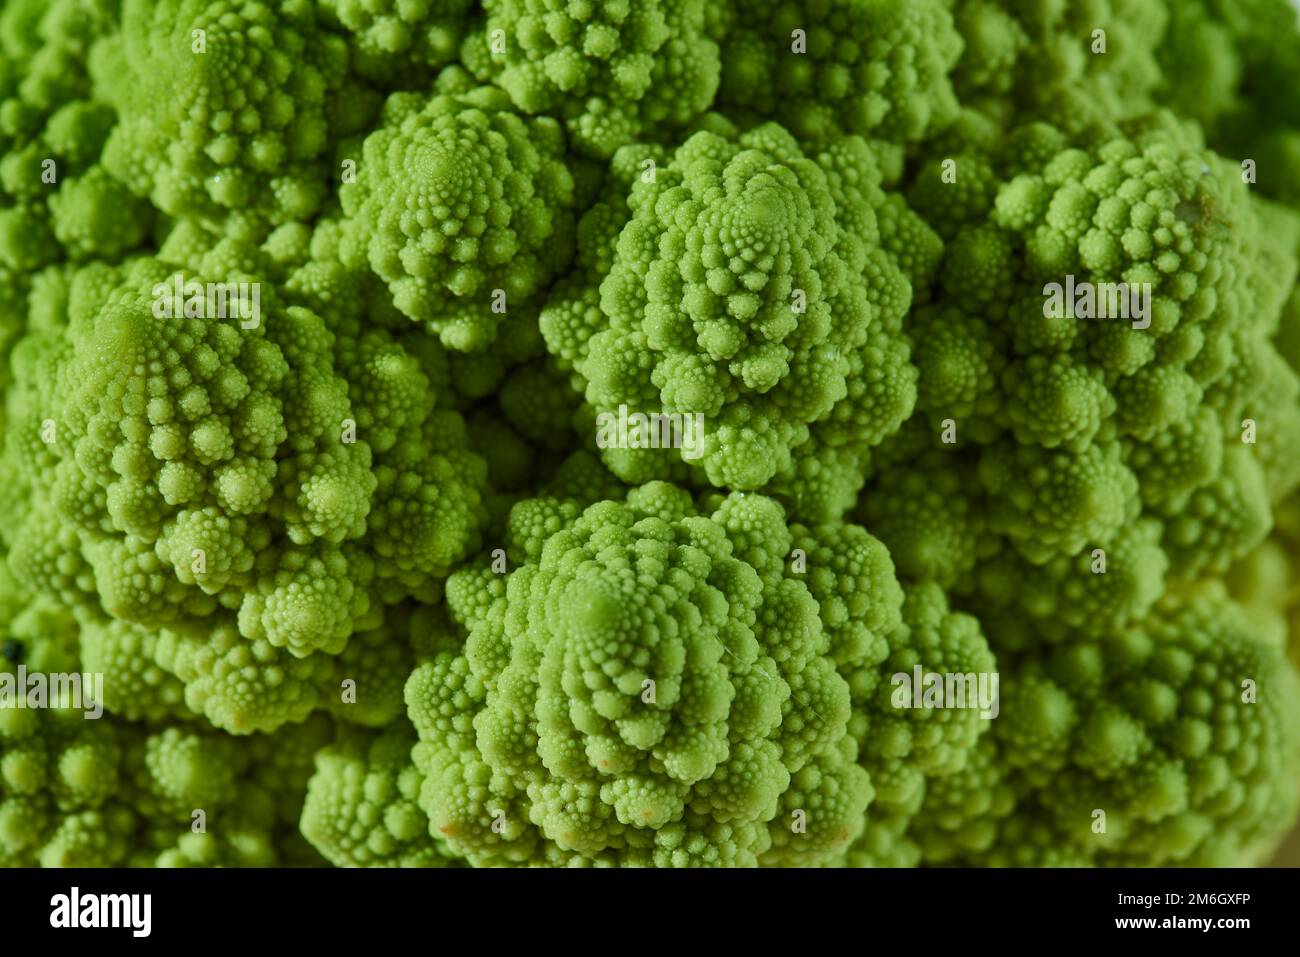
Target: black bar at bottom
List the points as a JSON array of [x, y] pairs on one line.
[[678, 909]]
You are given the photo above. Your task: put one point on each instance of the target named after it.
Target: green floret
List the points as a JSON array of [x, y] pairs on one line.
[[37, 631], [1174, 463], [95, 215], [26, 240], [572, 315], [176, 470], [29, 458], [612, 71], [232, 124], [1108, 585], [1149, 211], [13, 302], [1181, 728], [105, 792], [428, 502], [427, 506], [313, 600], [463, 208], [878, 68], [1056, 403], [243, 686], [185, 432], [537, 402], [366, 686], [249, 791], [825, 474], [1054, 503], [1080, 422], [1278, 428], [396, 41], [1235, 69], [1078, 63], [135, 686], [649, 686], [911, 242], [52, 128], [59, 775], [956, 195], [1209, 91], [1222, 521], [925, 512], [959, 360], [960, 815], [361, 808], [906, 737], [745, 287]]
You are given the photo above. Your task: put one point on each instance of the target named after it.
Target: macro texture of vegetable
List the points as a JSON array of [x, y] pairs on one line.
[[440, 433]]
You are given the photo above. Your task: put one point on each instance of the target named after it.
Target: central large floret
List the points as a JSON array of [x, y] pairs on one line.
[[748, 285]]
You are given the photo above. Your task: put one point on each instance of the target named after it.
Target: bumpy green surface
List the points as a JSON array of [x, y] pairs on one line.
[[650, 689], [747, 284], [463, 208], [611, 71], [362, 580]]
